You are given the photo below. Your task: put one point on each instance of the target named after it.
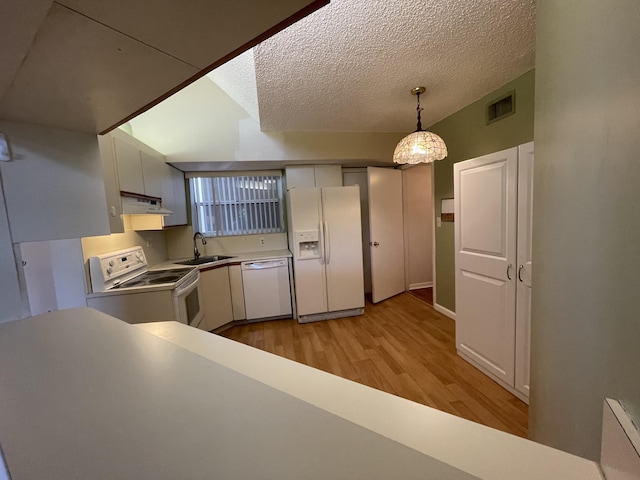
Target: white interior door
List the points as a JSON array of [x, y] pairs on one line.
[[386, 232], [485, 192], [523, 289]]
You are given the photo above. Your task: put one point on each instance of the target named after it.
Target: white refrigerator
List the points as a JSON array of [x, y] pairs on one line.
[[325, 237]]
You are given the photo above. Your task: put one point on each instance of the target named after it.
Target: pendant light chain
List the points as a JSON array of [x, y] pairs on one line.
[[419, 129]]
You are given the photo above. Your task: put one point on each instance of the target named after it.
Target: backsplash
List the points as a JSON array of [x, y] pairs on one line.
[[152, 242], [177, 242], [180, 243]]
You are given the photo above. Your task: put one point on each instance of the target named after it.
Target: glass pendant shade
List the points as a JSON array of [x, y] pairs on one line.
[[420, 147]]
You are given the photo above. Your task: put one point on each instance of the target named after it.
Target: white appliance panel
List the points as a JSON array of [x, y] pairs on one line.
[[267, 291], [343, 247], [333, 282], [309, 273]]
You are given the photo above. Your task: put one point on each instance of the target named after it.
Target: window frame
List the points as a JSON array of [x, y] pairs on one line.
[[257, 218]]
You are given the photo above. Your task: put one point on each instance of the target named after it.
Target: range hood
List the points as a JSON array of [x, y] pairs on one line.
[[142, 205]]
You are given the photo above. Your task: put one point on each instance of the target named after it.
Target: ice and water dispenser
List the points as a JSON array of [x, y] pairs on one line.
[[307, 244]]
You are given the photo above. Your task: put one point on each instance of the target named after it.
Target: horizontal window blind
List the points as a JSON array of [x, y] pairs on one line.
[[237, 205]]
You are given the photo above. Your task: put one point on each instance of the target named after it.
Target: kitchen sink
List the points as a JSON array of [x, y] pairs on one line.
[[202, 260]]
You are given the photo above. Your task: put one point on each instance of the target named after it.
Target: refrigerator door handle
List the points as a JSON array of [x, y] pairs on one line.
[[327, 245], [321, 244]]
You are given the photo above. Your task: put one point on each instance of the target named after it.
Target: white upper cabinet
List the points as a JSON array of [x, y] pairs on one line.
[[54, 186], [139, 171], [129, 167], [174, 197], [313, 176], [154, 170]]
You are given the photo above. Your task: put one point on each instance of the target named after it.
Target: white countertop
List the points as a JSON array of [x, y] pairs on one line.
[[480, 451], [83, 395], [236, 257]]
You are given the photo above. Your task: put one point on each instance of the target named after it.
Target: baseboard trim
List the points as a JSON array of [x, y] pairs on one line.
[[444, 311], [620, 451], [415, 286], [316, 317]]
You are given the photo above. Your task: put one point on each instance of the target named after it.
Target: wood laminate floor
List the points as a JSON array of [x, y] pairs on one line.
[[424, 294], [401, 346]]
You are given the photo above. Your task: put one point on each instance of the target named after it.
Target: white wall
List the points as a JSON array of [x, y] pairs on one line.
[[586, 222], [418, 221], [11, 305], [152, 242]]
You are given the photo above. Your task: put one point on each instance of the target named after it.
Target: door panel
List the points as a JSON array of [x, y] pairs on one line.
[[487, 339], [482, 204], [343, 247], [525, 265], [386, 232], [310, 281], [485, 191]]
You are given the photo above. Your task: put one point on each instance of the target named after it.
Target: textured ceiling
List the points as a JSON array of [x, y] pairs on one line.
[[350, 65], [237, 78]]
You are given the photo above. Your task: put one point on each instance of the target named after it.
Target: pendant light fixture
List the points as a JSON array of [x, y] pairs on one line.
[[420, 146]]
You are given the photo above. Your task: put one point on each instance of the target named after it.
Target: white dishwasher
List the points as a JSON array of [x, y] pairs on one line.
[[267, 293]]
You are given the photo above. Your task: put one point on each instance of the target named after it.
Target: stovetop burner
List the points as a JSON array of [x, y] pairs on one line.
[[125, 269], [156, 277]]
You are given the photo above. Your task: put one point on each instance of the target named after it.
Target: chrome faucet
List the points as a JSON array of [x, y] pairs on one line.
[[196, 253]]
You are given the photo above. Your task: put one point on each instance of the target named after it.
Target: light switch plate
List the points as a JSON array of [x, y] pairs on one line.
[[5, 153]]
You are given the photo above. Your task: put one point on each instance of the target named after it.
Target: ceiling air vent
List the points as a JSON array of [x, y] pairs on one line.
[[502, 107]]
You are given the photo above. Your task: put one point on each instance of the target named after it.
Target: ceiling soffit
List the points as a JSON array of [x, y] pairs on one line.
[[88, 66]]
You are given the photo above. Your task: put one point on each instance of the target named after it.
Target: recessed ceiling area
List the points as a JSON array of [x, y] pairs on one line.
[[347, 67]]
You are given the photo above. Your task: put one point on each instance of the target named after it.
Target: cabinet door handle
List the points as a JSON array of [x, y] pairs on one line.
[[519, 271], [508, 269]]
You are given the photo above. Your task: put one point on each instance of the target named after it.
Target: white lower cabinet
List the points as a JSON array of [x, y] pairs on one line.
[[493, 195], [216, 292]]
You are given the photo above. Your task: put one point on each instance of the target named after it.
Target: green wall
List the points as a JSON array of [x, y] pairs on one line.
[[585, 311], [468, 136]]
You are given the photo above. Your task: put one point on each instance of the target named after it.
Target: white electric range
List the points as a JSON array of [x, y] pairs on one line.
[[123, 286]]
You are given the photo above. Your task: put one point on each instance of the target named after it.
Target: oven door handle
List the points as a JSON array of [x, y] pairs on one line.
[[188, 286]]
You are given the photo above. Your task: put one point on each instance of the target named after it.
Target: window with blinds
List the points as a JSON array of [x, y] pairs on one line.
[[237, 205]]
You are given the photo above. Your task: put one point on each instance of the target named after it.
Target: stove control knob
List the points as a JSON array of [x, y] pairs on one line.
[[139, 257], [109, 270], [111, 263]]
